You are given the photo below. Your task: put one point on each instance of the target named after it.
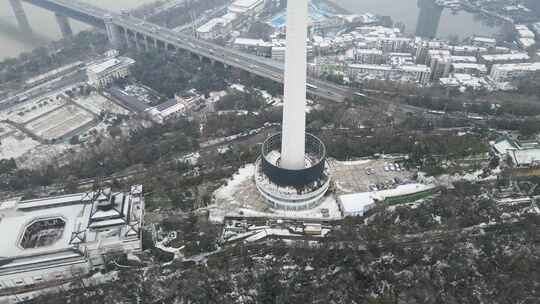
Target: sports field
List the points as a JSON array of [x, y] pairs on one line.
[[60, 122]]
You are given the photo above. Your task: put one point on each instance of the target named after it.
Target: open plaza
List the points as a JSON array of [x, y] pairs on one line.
[[375, 180]]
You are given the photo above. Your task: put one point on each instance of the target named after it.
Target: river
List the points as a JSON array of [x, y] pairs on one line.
[[462, 24], [44, 24]]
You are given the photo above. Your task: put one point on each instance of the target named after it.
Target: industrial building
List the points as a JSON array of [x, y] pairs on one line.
[[55, 239]]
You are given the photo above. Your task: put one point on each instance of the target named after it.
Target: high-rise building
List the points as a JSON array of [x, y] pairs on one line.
[[292, 172], [429, 18]]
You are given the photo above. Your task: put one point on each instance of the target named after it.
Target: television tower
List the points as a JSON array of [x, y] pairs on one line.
[[292, 172], [294, 108]]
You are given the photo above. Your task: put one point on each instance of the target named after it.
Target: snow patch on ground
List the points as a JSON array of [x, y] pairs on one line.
[[354, 162], [16, 145], [42, 154], [240, 197], [343, 189], [245, 173]]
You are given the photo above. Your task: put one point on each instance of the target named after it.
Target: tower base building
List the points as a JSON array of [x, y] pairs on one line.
[[297, 189]]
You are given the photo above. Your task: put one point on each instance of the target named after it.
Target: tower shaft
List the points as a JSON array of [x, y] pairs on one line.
[[294, 108]]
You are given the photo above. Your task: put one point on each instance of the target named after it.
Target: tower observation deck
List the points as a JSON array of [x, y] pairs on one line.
[[292, 172]]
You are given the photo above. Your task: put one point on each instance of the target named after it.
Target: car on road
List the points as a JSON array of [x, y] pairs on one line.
[[311, 87]]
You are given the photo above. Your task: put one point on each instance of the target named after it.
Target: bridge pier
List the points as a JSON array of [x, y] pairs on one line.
[[146, 44], [126, 38], [137, 44], [141, 42], [113, 32], [20, 14], [65, 27]]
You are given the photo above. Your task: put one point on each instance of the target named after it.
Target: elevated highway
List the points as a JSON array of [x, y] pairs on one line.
[[124, 29]]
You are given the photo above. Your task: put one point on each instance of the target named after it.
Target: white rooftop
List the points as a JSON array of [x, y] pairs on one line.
[[356, 203], [209, 26], [526, 156], [503, 57], [503, 146], [101, 67], [371, 67], [248, 41], [72, 209], [58, 223], [469, 59], [527, 66], [485, 39], [369, 51], [359, 202], [472, 66], [416, 68], [243, 6], [527, 42], [246, 3]]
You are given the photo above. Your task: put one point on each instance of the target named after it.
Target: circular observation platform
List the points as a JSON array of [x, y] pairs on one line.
[[292, 189]]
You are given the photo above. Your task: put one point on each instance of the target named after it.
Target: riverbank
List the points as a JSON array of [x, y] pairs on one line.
[[475, 10]]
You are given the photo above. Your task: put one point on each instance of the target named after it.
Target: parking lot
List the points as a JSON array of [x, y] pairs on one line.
[[368, 175], [97, 103]]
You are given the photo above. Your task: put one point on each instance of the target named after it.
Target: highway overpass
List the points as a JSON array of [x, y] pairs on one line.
[[123, 28]]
